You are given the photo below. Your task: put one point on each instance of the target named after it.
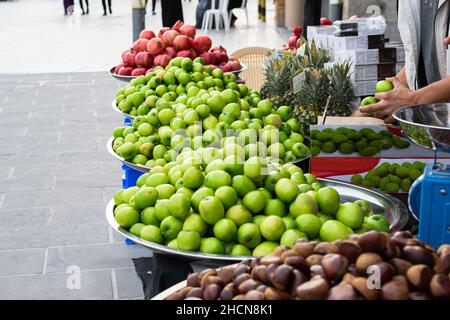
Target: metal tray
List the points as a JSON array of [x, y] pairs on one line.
[[116, 109], [119, 77], [392, 208], [145, 169]]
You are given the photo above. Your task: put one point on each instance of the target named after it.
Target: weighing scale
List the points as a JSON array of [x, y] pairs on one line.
[[429, 199]]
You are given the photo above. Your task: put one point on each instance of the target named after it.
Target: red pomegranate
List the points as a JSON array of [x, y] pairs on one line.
[[171, 52], [177, 26], [117, 68], [149, 70], [202, 43], [162, 60], [162, 31], [299, 42], [188, 30], [325, 21], [147, 34], [209, 57], [297, 31], [225, 67], [138, 72], [186, 54], [144, 59], [213, 66], [125, 71], [182, 42], [168, 37], [155, 46], [140, 45], [219, 48], [128, 58], [234, 64], [221, 57], [292, 41]]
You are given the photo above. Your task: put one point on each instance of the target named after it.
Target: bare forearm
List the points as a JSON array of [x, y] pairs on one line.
[[434, 93]]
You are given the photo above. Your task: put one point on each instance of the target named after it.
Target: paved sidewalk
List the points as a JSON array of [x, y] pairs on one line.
[[37, 37], [55, 179]]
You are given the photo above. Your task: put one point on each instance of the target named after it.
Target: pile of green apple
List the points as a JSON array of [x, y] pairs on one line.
[[207, 109], [216, 203]]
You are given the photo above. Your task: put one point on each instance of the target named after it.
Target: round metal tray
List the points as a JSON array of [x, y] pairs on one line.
[[392, 208], [119, 77], [145, 169], [116, 109]]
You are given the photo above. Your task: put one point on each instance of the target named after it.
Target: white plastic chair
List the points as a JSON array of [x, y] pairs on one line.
[[242, 8], [220, 15]]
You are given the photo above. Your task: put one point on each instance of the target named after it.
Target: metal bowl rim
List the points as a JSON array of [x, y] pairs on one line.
[[396, 117]]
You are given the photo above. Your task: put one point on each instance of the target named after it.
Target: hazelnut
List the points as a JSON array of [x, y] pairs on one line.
[[361, 286], [326, 247], [248, 285], [400, 265], [270, 259], [365, 260], [305, 249], [280, 277], [228, 292], [241, 278], [275, 294], [314, 289], [240, 269], [254, 295], [212, 292], [395, 290], [418, 296], [343, 291], [225, 274], [297, 262], [334, 265], [373, 241], [192, 279], [349, 249], [420, 276], [418, 255], [440, 286], [317, 270], [314, 259], [195, 293], [443, 262]]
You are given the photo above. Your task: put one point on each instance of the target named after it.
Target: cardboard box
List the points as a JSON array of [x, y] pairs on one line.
[[357, 57], [313, 30], [348, 43], [364, 88]]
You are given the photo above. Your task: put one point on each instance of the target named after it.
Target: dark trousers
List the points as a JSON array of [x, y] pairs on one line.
[[67, 4], [312, 14], [172, 11], [87, 6], [104, 6]]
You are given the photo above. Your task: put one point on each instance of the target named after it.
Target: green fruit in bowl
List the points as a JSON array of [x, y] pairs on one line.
[[351, 215], [272, 228], [264, 248], [377, 222], [333, 230]]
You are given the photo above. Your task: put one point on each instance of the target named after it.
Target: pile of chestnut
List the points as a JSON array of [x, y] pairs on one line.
[[370, 266]]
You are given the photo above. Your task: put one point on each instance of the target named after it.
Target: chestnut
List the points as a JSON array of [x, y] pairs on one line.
[[365, 260], [297, 262], [206, 281], [239, 297], [314, 289], [440, 286], [443, 262], [361, 286], [280, 250], [254, 295], [420, 276], [373, 241], [259, 273], [349, 249], [418, 296], [225, 274], [193, 279], [270, 259], [228, 292], [212, 292], [297, 278], [334, 265], [240, 269], [195, 293], [288, 253], [392, 250], [401, 266], [179, 295], [305, 249], [193, 298], [204, 277], [275, 294], [343, 291], [326, 247], [317, 270], [248, 285], [280, 277], [442, 248], [255, 262], [314, 259], [241, 278], [395, 290], [262, 288], [418, 255]]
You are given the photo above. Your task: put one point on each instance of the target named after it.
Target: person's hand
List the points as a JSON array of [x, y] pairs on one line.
[[358, 113], [447, 41], [390, 101]]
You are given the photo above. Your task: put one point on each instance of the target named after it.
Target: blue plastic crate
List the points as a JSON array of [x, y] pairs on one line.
[[127, 122], [130, 176]]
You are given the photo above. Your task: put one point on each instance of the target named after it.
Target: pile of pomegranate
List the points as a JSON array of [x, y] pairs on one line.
[[294, 42], [179, 41]]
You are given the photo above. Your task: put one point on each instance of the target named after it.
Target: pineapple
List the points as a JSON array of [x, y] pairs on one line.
[[341, 89]]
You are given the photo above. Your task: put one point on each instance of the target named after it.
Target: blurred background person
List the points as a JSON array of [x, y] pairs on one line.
[[68, 7], [232, 4], [153, 6], [82, 8], [172, 11], [104, 7]]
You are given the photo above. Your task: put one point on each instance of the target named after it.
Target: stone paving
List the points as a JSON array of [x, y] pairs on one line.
[[55, 179]]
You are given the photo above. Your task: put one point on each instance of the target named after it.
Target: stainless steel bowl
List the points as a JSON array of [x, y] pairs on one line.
[[243, 68], [119, 77], [392, 208], [426, 125], [125, 115]]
